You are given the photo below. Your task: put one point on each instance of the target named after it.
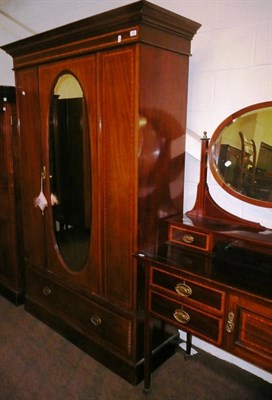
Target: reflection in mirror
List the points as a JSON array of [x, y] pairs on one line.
[[69, 158], [241, 154]]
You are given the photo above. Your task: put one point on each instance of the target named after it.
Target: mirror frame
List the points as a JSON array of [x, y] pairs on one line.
[[214, 168], [67, 228]]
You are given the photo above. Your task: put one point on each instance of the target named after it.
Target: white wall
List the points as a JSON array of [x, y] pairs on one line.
[[230, 68]]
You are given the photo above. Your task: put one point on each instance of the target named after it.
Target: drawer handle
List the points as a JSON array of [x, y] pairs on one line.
[[183, 290], [187, 238], [181, 316], [230, 322], [46, 291], [95, 320]]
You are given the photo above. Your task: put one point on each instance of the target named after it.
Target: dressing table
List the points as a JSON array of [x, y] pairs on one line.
[[212, 278]]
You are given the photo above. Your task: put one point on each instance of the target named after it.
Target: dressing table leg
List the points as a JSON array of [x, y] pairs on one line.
[[148, 325], [188, 343], [147, 354]]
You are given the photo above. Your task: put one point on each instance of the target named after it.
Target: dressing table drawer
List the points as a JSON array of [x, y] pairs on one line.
[[82, 314], [187, 318], [179, 288], [191, 238]]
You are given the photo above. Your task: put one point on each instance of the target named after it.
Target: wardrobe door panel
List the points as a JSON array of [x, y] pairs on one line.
[[68, 127], [118, 155], [29, 130]]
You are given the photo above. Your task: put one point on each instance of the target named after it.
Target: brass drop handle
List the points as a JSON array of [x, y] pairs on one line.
[[187, 238], [41, 201], [183, 290], [46, 291], [181, 316], [230, 322], [43, 173], [96, 320]]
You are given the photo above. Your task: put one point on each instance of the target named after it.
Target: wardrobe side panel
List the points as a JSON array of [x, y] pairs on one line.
[[163, 108], [118, 162]]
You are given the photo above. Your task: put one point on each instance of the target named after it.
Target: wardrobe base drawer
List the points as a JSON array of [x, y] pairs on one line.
[[84, 315]]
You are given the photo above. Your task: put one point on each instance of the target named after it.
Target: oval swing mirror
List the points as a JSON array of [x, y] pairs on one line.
[[241, 154], [70, 177]]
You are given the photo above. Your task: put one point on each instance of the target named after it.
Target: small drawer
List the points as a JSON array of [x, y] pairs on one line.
[[187, 318], [188, 291], [82, 314], [189, 238]]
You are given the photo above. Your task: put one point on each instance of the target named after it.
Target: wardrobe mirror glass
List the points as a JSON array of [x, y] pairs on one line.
[[241, 154], [70, 177]]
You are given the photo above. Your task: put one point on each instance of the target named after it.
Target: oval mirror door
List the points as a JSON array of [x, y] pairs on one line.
[[70, 177]]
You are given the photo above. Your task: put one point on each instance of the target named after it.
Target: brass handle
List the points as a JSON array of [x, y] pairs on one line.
[[181, 316], [40, 201], [187, 238], [230, 322], [46, 291], [43, 173], [183, 290], [95, 320]]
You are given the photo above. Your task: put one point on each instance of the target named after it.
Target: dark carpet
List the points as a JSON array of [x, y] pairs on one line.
[[38, 364]]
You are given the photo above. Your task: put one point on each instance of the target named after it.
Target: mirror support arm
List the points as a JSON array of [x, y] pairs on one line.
[[199, 209], [205, 207], [203, 171]]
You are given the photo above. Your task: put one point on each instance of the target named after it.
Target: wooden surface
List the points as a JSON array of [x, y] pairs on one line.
[[228, 305], [132, 65], [11, 271]]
